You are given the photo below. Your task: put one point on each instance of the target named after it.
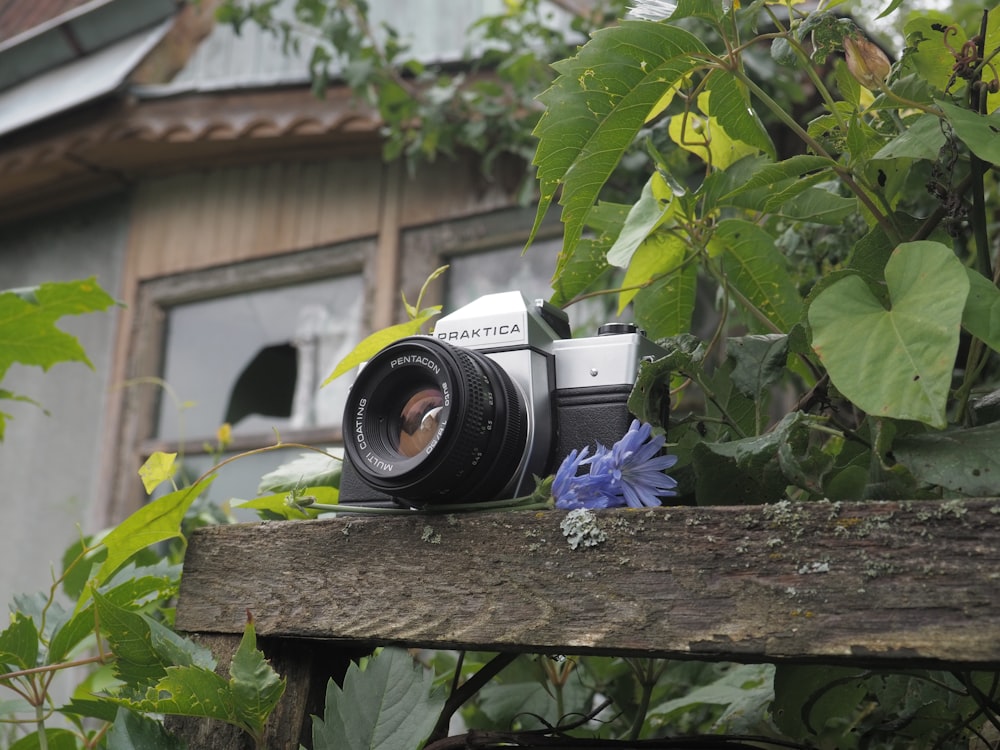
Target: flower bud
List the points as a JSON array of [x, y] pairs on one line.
[[866, 61]]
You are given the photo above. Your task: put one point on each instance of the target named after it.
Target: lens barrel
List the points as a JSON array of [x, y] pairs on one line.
[[427, 422]]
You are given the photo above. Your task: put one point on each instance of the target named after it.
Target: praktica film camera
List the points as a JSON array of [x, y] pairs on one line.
[[499, 393]]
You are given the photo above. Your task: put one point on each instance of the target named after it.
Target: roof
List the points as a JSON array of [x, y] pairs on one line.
[[17, 16], [67, 86], [101, 93], [41, 39]]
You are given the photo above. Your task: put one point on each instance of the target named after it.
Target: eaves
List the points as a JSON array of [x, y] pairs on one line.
[[142, 133]]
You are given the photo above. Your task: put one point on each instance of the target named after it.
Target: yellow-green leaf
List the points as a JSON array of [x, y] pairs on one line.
[[377, 341], [658, 254], [158, 468], [152, 523], [705, 138]]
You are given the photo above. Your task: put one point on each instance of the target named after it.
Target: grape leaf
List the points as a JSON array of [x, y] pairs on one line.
[[390, 705]]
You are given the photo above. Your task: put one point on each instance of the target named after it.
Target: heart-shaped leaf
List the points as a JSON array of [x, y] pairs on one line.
[[896, 362]]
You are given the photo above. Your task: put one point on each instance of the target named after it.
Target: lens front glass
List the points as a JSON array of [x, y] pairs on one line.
[[418, 421]]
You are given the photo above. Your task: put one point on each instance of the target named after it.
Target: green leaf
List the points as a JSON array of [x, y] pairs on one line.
[[756, 268], [964, 461], [104, 710], [650, 397], [926, 49], [255, 686], [194, 689], [811, 702], [131, 731], [922, 139], [657, 255], [144, 648], [187, 691], [815, 205], [132, 588], [376, 342], [55, 739], [390, 705], [772, 175], [981, 316], [71, 634], [746, 471], [978, 132], [759, 361], [892, 6], [644, 217], [76, 565], [158, 468], [596, 107], [705, 137], [710, 10], [27, 328], [19, 644], [310, 469], [729, 104], [666, 307], [152, 523], [286, 504], [896, 362], [587, 265], [744, 688]]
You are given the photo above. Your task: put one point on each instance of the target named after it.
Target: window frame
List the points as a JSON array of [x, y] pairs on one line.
[[142, 388]]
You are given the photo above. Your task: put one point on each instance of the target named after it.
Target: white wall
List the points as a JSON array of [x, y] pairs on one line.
[[49, 465]]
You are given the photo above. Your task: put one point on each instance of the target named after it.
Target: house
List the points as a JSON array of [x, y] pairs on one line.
[[251, 230]]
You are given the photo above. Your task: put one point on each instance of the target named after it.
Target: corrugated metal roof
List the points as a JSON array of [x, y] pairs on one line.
[[72, 34], [70, 85], [436, 30]]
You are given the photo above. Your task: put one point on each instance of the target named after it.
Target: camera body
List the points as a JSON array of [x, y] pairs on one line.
[[498, 394]]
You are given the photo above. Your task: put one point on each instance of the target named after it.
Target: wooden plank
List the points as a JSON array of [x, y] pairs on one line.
[[900, 582]]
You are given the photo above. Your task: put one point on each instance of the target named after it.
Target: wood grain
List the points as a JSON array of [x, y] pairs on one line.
[[893, 582]]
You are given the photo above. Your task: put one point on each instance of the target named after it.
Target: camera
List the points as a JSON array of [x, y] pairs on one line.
[[498, 394]]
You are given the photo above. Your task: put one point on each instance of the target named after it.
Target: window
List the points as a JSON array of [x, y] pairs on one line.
[[484, 255], [267, 352], [507, 268], [247, 344]]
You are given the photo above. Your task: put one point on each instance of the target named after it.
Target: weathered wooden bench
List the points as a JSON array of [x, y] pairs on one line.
[[876, 583]]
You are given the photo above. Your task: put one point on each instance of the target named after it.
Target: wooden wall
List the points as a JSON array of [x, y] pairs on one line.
[[200, 219], [218, 217]]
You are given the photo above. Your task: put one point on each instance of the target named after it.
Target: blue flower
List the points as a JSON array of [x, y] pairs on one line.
[[584, 491], [630, 473]]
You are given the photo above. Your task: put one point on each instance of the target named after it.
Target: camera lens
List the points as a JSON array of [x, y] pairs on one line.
[[419, 420], [428, 422]]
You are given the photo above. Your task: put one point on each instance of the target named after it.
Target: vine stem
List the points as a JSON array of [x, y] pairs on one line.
[[842, 172], [517, 503], [976, 358], [43, 740], [460, 694], [99, 659]]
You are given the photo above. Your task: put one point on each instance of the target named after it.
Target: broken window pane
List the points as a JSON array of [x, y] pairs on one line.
[[256, 359]]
